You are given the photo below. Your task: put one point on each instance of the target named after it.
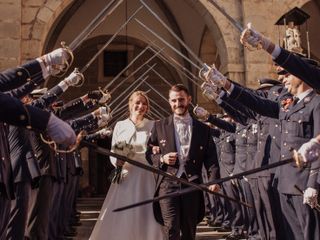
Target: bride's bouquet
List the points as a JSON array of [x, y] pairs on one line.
[[124, 149]]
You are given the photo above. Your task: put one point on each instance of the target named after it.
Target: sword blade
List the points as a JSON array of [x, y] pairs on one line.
[[149, 168], [109, 41], [106, 11], [189, 190], [172, 33], [234, 22]]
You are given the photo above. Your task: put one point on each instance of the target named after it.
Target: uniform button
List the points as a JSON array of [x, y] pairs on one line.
[[273, 137], [286, 132], [300, 121], [282, 156], [284, 144], [194, 161], [189, 175], [276, 125], [19, 73]]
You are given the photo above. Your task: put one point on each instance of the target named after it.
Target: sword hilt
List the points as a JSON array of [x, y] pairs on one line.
[[66, 65], [251, 48], [82, 79], [298, 159], [205, 68]]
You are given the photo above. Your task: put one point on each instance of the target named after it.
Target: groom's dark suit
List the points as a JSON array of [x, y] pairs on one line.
[[181, 213]]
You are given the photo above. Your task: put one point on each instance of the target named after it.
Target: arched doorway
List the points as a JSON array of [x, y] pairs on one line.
[[179, 15]]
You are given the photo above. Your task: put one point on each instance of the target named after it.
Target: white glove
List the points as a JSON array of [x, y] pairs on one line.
[[215, 77], [56, 60], [310, 197], [251, 38], [104, 116], [201, 113], [74, 78], [210, 91], [60, 131], [101, 96], [105, 132], [310, 151], [106, 96]]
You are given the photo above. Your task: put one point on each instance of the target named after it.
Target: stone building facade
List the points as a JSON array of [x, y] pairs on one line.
[[30, 28]]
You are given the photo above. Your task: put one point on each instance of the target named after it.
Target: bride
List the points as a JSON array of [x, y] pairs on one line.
[[136, 185]]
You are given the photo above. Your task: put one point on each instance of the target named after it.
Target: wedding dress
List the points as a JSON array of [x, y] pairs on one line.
[[138, 185]]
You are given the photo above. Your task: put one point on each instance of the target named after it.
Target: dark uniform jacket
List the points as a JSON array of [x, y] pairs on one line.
[[300, 68], [13, 112], [298, 125]]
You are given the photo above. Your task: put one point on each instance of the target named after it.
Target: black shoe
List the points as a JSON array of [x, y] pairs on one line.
[[75, 224], [235, 236], [214, 224], [224, 229], [70, 234]]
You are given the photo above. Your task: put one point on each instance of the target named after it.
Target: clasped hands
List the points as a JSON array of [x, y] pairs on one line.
[[171, 158]]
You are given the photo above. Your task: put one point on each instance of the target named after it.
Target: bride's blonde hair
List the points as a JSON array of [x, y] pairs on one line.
[[136, 94]]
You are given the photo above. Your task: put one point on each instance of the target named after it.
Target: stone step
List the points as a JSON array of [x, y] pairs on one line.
[[90, 209]]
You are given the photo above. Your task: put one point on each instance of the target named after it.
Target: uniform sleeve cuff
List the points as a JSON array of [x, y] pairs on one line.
[[63, 86], [276, 52], [45, 72]]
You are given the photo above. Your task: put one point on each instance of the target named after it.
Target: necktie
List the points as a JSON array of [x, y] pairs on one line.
[[295, 100]]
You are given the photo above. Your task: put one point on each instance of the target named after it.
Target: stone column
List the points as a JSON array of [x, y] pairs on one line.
[[10, 18]]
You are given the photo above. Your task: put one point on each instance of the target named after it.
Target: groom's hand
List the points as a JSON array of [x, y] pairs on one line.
[[214, 187], [169, 158]]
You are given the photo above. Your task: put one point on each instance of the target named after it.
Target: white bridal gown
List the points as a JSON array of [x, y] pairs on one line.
[[138, 185]]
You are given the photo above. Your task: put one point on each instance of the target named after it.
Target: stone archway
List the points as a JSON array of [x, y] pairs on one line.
[[37, 19]]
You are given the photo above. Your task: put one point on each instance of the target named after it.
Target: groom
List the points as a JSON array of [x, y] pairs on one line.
[[185, 145]]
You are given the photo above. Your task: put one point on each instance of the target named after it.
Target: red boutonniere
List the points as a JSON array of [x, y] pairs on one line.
[[285, 103]]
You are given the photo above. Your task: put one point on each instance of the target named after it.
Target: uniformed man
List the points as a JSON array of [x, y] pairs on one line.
[[299, 125], [15, 113]]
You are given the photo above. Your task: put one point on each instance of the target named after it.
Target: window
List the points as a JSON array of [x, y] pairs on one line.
[[114, 62]]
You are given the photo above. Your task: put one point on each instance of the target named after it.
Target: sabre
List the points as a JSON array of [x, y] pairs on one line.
[[160, 172], [217, 181], [124, 99], [180, 71], [110, 40], [317, 207], [120, 113], [118, 118], [106, 11], [235, 23], [156, 116], [168, 44], [162, 78], [138, 68], [165, 57], [159, 94], [155, 103], [136, 81], [172, 33], [123, 70], [119, 109]]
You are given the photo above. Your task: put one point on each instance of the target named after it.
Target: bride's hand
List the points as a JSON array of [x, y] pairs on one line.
[[119, 163], [155, 150]]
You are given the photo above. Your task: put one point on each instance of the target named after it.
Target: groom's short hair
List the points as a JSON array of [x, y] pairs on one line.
[[179, 87]]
